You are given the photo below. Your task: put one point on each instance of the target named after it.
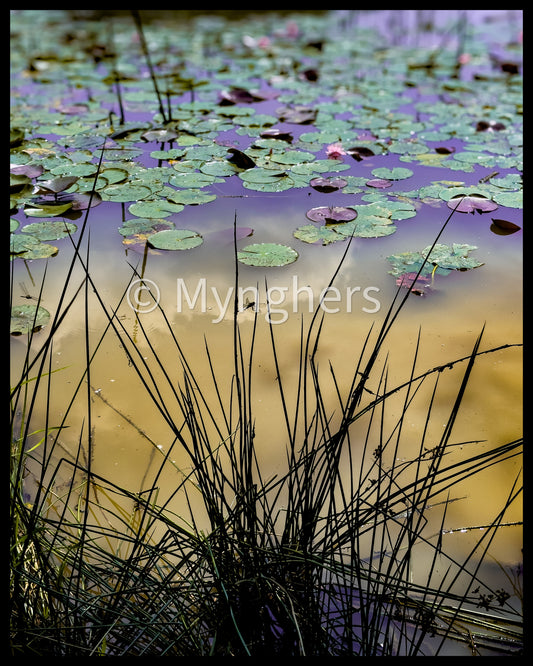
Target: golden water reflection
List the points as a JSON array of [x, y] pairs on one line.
[[131, 438]]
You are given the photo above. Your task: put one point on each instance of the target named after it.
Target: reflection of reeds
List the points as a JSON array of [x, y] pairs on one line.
[[318, 561]]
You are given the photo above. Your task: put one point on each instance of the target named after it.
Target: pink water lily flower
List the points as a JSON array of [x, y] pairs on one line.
[[292, 30], [335, 150], [264, 43]]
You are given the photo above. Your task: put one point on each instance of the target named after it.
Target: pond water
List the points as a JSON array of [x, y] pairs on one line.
[[194, 287]]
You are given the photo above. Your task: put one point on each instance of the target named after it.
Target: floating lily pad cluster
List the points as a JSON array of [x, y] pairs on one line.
[[270, 103], [412, 269]]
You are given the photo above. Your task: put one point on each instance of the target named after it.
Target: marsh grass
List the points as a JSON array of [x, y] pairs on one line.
[[319, 560]]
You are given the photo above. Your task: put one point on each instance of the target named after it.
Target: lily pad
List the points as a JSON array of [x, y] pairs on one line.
[[443, 257], [55, 185], [46, 210], [126, 192], [28, 318], [21, 243], [419, 284], [367, 226], [143, 226], [330, 184], [175, 239], [159, 208], [471, 203], [194, 180], [266, 180], [312, 234], [331, 214], [45, 231], [191, 197], [398, 173], [80, 201], [267, 254], [292, 157], [380, 183], [510, 199], [161, 135], [220, 168]]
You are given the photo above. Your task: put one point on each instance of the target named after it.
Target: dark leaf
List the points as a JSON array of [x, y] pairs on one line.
[[300, 115], [240, 159], [55, 185], [360, 153], [310, 74], [490, 125], [503, 227], [162, 135], [80, 201], [277, 134], [239, 96]]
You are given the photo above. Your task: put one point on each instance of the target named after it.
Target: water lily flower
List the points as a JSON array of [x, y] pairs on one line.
[[335, 150], [292, 30], [263, 43], [464, 58]]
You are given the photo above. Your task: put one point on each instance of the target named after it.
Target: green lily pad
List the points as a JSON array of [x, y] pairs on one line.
[[114, 175], [219, 168], [367, 226], [398, 173], [28, 318], [267, 254], [75, 170], [20, 243], [191, 197], [510, 199], [46, 210], [311, 234], [175, 239], [292, 157], [144, 226], [399, 210], [45, 231], [170, 154], [159, 208], [194, 180], [444, 257], [266, 180], [126, 192]]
